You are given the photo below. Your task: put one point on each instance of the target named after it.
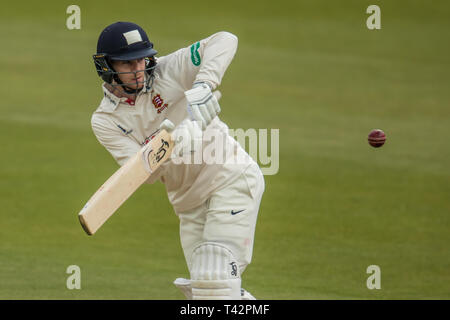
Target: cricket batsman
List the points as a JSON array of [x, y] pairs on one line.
[[216, 202]]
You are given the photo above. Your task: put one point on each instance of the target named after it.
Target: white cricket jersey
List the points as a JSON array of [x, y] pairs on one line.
[[123, 126]]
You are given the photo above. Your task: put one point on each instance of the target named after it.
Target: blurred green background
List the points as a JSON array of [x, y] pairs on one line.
[[309, 68]]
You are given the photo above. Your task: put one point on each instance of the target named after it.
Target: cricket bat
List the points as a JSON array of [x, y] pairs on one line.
[[124, 182]]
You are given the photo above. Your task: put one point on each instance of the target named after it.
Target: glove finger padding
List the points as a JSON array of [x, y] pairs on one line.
[[206, 112], [167, 125], [206, 116], [211, 107], [215, 100], [203, 104], [196, 115]]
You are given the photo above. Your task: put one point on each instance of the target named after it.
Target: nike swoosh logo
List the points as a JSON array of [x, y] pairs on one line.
[[236, 212]]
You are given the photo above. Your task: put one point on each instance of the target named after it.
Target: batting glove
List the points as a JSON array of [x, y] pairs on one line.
[[186, 136], [203, 105], [167, 125]]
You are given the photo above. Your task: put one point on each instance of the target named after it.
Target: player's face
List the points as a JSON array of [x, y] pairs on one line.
[[134, 66]]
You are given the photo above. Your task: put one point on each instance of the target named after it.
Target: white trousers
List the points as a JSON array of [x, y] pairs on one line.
[[228, 217]]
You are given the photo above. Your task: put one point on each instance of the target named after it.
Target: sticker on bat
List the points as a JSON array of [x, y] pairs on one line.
[[157, 156], [161, 149]]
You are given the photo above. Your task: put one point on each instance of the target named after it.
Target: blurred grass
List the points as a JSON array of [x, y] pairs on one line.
[[311, 69]]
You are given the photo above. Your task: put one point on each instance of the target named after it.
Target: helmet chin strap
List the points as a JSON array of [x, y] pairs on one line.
[[128, 90], [132, 91]]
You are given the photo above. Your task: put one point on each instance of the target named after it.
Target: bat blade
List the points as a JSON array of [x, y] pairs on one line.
[[123, 183]]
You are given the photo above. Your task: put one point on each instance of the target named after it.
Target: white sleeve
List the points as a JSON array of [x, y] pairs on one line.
[[205, 60], [216, 53], [119, 146]]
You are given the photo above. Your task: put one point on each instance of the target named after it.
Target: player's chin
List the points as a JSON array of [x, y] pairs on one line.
[[134, 85]]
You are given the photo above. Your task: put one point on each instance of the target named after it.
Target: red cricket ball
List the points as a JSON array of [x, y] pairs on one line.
[[376, 138]]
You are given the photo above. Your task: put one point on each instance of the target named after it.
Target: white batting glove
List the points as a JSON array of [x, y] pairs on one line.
[[167, 125], [203, 105], [184, 136]]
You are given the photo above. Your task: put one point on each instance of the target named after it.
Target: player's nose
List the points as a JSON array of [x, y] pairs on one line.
[[134, 65]]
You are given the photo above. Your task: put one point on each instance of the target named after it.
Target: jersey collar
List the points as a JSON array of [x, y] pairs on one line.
[[109, 102]]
